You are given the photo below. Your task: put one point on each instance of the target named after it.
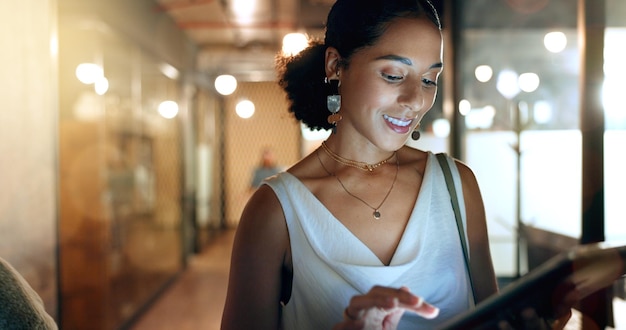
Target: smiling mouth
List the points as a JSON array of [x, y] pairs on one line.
[[398, 122]]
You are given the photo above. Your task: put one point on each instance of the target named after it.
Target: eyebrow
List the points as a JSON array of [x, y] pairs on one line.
[[406, 61]]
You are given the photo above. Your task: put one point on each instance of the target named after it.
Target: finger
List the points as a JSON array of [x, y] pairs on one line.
[[392, 319], [423, 309], [382, 297], [402, 295], [352, 316]]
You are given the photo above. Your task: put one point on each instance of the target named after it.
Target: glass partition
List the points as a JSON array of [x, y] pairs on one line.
[[518, 83], [120, 177], [615, 136], [519, 97]]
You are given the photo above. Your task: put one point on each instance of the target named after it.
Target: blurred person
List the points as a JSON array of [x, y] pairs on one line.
[[361, 233], [266, 168]]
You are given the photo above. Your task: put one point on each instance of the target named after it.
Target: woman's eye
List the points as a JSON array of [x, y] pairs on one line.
[[428, 82], [392, 78]]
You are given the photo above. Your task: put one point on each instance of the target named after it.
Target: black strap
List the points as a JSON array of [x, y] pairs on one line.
[[441, 157]]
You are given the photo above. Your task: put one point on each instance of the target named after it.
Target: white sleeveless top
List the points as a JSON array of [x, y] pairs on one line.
[[330, 264]]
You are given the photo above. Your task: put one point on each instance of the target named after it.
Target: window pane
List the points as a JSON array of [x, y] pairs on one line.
[[519, 73], [615, 136]]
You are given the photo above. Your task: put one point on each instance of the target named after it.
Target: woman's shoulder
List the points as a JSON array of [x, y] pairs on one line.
[[464, 170], [263, 201], [308, 170], [413, 158], [411, 154], [305, 165], [419, 158]]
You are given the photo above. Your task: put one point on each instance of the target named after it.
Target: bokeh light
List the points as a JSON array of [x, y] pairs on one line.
[[225, 84]]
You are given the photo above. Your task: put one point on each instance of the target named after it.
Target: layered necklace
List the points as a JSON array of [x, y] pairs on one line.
[[362, 166], [353, 163]]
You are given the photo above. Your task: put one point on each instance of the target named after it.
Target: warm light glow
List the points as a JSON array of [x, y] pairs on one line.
[[465, 107], [88, 106], [612, 90], [507, 84], [528, 82], [243, 10], [542, 112], [245, 109], [89, 73], [101, 86], [225, 84], [441, 128], [483, 73], [480, 118], [615, 77], [555, 42], [169, 71], [294, 43], [54, 45], [168, 109]]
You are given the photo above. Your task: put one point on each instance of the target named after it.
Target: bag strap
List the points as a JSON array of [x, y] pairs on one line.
[[441, 157]]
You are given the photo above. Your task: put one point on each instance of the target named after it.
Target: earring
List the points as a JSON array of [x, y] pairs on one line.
[[416, 133], [333, 102]]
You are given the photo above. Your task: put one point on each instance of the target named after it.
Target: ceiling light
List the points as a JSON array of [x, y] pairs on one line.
[[225, 84], [528, 82], [507, 83], [101, 85], [483, 73], [294, 43], [441, 128], [555, 42], [465, 107], [168, 109], [89, 73], [169, 71], [243, 10], [245, 109]]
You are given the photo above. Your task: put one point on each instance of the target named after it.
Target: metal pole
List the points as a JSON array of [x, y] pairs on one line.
[[591, 26], [517, 123], [451, 88]]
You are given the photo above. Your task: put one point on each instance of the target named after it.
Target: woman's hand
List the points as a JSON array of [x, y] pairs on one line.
[[382, 307], [564, 297], [530, 321]]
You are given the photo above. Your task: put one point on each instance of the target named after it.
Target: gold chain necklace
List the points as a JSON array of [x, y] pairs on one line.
[[376, 212], [353, 163]]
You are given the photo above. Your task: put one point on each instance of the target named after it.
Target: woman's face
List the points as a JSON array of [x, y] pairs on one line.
[[388, 87]]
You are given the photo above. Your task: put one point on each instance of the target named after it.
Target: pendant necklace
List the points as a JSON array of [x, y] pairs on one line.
[[376, 212]]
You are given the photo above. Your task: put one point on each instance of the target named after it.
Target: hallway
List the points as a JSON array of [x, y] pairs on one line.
[[196, 298]]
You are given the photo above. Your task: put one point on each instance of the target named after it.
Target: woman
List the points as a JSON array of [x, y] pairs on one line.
[[362, 229]]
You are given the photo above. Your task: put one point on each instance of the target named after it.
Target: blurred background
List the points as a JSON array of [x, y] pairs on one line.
[[130, 131]]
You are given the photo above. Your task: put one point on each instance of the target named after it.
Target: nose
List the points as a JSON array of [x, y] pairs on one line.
[[412, 97]]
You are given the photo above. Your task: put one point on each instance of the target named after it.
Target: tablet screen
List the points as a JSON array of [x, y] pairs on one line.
[[589, 267]]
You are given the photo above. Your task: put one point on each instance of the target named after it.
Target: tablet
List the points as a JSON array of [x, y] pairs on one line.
[[589, 267]]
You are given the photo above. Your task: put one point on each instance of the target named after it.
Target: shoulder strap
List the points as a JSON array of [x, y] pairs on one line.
[[441, 157]]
